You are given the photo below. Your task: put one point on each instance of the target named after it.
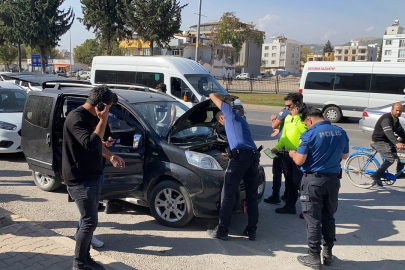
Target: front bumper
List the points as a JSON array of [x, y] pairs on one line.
[[10, 140]]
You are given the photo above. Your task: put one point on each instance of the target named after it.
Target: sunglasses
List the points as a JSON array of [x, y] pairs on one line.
[[289, 106]]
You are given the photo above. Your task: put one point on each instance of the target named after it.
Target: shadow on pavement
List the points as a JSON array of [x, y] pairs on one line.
[[13, 157]]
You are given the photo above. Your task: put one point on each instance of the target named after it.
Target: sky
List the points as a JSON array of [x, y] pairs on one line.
[[309, 21]]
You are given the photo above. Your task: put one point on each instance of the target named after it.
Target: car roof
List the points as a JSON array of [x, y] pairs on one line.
[[4, 85], [38, 77]]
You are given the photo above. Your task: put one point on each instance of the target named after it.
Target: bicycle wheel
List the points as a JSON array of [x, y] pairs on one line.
[[355, 170]]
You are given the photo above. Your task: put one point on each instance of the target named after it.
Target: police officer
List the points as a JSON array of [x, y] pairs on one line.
[[321, 150], [243, 165]]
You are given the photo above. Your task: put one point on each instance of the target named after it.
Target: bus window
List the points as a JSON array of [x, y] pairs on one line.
[[352, 82], [388, 84], [320, 81]]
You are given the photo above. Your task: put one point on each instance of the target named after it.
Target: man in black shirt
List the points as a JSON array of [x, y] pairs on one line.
[[385, 141], [82, 165]]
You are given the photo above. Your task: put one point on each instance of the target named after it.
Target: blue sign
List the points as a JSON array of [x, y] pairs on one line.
[[36, 60]]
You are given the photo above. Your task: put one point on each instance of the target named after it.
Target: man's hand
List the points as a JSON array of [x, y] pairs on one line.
[[292, 153], [117, 162], [274, 151], [273, 117], [217, 99], [109, 142], [103, 115], [275, 132], [400, 145]]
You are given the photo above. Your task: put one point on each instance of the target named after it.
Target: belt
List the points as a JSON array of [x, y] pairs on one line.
[[319, 175], [242, 151]]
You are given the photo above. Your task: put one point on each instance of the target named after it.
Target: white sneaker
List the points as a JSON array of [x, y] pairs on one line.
[[95, 243]]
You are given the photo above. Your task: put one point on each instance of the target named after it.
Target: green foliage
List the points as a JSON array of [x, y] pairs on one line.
[[85, 52], [232, 31], [328, 47], [107, 19], [154, 20], [52, 53], [8, 53], [304, 52]]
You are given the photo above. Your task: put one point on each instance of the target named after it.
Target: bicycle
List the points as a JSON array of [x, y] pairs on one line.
[[360, 166]]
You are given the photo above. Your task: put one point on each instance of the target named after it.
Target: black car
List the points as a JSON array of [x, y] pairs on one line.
[[177, 171]]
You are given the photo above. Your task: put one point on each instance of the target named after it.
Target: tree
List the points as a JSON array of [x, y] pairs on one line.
[[42, 23], [154, 20], [85, 52], [8, 54], [304, 52], [107, 18], [232, 31], [328, 48]]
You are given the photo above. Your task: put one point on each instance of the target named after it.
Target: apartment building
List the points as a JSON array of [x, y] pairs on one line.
[[281, 54], [356, 52], [330, 56], [394, 44]]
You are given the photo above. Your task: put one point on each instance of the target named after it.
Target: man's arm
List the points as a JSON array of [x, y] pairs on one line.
[[399, 130], [388, 131], [117, 161], [299, 159], [217, 99], [276, 123], [345, 155], [280, 143]]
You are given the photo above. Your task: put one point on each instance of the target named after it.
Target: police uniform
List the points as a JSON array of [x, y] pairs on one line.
[[244, 165], [324, 145]]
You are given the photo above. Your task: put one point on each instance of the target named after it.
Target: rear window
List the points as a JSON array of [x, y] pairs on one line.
[[38, 110], [12, 101], [149, 79]]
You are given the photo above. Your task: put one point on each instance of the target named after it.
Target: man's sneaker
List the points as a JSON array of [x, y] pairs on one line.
[[251, 233], [92, 264], [377, 181], [94, 241], [272, 200], [112, 207], [217, 234], [287, 209]]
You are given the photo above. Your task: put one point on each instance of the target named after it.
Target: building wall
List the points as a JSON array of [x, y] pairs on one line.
[[393, 48], [280, 56], [250, 59]]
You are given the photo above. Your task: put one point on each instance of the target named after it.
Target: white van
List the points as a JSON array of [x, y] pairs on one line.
[[345, 89], [184, 78]]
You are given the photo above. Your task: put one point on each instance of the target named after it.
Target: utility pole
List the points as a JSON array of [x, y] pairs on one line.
[[70, 54], [198, 32]]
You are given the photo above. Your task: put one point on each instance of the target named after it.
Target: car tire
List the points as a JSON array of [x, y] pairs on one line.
[[332, 114], [46, 182], [164, 207]]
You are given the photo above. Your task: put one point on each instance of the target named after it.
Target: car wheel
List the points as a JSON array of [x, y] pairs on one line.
[[332, 114], [46, 182], [170, 204]]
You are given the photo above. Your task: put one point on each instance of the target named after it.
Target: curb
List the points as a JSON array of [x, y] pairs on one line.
[[7, 218], [262, 107]]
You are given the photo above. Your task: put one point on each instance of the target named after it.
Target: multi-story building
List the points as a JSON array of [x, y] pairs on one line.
[[394, 44], [329, 56], [356, 52], [281, 54]]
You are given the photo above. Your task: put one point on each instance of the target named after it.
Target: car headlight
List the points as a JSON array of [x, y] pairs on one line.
[[202, 161], [8, 126]]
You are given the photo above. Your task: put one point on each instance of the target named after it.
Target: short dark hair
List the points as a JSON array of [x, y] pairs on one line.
[[115, 99], [294, 97], [161, 87], [220, 113], [311, 112], [101, 93]]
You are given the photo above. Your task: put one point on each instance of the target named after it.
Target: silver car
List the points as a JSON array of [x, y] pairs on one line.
[[371, 116]]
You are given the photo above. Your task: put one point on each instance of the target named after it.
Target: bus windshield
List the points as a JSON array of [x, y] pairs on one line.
[[205, 84]]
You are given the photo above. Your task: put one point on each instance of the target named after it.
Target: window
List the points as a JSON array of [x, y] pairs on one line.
[[149, 79], [274, 48], [38, 110], [273, 62], [352, 82], [388, 42], [204, 84], [282, 64], [401, 53], [320, 80], [266, 55], [353, 58], [145, 51], [266, 48], [292, 62], [273, 55], [282, 55], [401, 60], [296, 62], [346, 58], [282, 48], [292, 55], [297, 55], [402, 43], [387, 52], [346, 51], [353, 51], [178, 87], [388, 84]]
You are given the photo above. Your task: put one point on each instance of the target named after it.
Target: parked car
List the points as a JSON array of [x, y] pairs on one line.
[[176, 171], [242, 76], [371, 116], [263, 76], [84, 75], [12, 100]]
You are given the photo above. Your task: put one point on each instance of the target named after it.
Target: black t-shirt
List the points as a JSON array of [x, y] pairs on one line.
[[81, 148], [107, 134]]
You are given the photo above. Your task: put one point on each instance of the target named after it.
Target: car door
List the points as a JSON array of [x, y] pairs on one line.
[[129, 144], [36, 131]]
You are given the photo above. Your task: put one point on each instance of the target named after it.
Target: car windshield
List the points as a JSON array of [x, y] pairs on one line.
[[162, 115], [206, 84], [12, 101]]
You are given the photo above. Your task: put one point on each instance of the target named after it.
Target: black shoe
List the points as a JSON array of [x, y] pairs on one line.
[[286, 209], [217, 234], [327, 255], [301, 216], [313, 260], [251, 233], [272, 199], [92, 264], [377, 180], [100, 206], [111, 208]]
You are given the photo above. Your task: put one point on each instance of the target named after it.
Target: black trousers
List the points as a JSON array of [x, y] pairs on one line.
[[319, 200], [388, 152], [293, 176], [277, 172], [244, 166]]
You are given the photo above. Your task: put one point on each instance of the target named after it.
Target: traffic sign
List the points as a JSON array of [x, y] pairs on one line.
[[36, 60]]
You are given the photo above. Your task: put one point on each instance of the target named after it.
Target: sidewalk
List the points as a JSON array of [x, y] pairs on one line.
[[26, 245]]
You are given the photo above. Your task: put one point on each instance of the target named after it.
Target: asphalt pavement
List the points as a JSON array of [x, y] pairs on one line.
[[370, 223]]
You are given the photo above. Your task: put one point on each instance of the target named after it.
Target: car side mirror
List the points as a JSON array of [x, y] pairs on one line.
[[137, 141], [188, 96]]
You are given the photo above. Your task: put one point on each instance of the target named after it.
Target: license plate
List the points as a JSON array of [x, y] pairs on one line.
[[260, 188]]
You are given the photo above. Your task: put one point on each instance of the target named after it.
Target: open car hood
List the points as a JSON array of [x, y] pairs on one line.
[[201, 114]]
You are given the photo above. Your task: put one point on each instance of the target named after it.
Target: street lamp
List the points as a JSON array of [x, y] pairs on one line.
[[70, 54], [198, 32]]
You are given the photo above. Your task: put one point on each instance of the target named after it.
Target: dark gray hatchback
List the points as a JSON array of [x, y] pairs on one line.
[[177, 172]]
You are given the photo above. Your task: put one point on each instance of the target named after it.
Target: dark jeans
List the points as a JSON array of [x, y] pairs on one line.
[[277, 173], [244, 166], [388, 152], [86, 199], [293, 176], [319, 201]]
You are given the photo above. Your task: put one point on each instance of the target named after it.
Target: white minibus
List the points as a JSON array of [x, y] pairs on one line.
[[185, 79], [345, 89]]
